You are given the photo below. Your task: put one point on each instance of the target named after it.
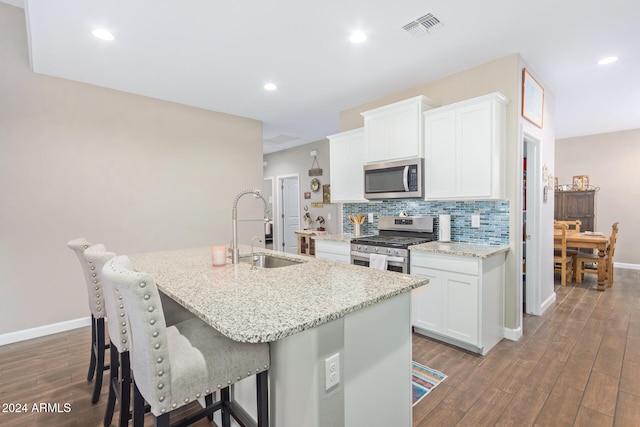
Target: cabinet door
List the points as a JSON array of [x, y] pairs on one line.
[[406, 126], [378, 137], [333, 251], [475, 152], [460, 301], [426, 301], [346, 161], [440, 155]]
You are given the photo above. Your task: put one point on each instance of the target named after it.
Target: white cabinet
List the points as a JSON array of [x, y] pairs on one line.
[[463, 302], [333, 250], [465, 149], [346, 161], [394, 131]]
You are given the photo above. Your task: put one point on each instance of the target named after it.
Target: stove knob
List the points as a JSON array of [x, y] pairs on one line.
[[396, 252], [376, 249], [389, 251]]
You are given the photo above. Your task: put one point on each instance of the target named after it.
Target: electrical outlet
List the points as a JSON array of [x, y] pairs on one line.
[[329, 216], [370, 218], [475, 221], [332, 371]]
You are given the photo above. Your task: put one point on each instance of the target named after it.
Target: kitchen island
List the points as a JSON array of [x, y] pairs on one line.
[[308, 311]]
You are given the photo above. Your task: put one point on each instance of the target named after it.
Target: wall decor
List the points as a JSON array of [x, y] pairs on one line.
[[316, 204], [307, 194], [326, 193], [532, 99], [315, 185]]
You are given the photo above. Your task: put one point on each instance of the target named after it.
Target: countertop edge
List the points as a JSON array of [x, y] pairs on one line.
[[461, 249]]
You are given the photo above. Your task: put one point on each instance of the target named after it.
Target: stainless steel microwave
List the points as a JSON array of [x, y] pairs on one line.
[[401, 179]]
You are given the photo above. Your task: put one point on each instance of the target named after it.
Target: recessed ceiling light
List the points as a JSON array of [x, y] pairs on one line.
[[270, 87], [102, 34], [357, 37], [608, 60]]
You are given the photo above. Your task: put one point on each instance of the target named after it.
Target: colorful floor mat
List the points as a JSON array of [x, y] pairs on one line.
[[423, 380]]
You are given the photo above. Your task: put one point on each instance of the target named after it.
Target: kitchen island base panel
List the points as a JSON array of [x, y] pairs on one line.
[[375, 371]]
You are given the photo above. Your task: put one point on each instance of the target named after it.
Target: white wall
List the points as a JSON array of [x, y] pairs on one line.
[[297, 160], [134, 173], [611, 161]]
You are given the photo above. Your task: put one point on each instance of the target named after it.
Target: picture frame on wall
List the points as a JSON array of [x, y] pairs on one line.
[[532, 99]]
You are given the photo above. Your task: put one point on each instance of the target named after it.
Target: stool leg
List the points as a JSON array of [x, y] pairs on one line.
[[92, 362], [262, 386], [125, 389], [226, 415], [113, 379], [100, 360], [208, 400], [138, 407]]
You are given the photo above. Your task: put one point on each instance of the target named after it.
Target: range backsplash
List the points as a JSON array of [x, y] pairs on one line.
[[494, 217]]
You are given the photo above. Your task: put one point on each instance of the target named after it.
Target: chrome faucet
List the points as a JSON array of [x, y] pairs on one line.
[[235, 252], [253, 257]]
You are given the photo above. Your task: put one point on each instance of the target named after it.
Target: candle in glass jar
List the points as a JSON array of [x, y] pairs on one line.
[[219, 255]]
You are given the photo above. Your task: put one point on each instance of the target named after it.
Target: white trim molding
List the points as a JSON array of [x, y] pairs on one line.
[[513, 334], [626, 265], [40, 331]]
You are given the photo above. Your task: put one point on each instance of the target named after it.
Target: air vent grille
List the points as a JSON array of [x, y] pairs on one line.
[[423, 25]]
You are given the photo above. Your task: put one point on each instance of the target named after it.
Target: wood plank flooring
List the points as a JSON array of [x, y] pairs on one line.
[[577, 365]]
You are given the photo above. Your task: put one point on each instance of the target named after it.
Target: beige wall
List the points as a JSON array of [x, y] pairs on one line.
[[611, 160], [502, 75], [297, 160], [134, 173]]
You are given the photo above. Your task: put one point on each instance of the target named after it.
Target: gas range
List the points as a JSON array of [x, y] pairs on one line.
[[395, 236]]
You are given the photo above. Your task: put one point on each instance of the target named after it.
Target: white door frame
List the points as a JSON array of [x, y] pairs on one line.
[[534, 213], [277, 202]]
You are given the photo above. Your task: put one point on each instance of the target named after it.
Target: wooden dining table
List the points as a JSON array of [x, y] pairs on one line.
[[590, 240]]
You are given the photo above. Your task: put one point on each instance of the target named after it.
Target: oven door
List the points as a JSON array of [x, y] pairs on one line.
[[397, 264]]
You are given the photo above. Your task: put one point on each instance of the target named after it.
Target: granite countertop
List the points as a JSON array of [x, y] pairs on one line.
[[463, 249], [265, 305], [346, 237]]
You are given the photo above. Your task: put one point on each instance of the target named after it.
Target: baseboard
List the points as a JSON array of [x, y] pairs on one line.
[[513, 334], [40, 331], [548, 303], [626, 265]]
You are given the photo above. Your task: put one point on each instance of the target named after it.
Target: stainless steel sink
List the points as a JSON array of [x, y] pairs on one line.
[[269, 261]]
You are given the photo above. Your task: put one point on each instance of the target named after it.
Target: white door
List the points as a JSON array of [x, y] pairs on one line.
[[290, 190]]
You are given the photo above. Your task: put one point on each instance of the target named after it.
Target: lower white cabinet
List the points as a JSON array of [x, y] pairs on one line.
[[463, 304], [333, 250]]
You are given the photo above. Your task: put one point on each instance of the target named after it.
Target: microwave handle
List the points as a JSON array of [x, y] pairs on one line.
[[405, 178]]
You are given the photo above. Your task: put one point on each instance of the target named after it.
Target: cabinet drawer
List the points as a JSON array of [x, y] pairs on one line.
[[455, 263], [330, 247]]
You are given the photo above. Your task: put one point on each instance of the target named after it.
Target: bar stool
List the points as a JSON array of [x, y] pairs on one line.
[[96, 306], [173, 366]]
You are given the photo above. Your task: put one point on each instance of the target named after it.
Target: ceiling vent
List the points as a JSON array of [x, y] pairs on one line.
[[423, 25]]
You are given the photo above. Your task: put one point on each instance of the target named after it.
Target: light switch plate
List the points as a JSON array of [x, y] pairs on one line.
[[475, 221], [370, 218]]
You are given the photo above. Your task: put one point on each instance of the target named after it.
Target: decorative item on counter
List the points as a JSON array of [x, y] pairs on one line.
[[219, 255], [580, 182], [444, 228], [402, 213], [315, 171], [357, 221], [320, 220], [308, 219]]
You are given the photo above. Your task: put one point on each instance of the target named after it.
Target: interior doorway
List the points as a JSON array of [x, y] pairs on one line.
[[267, 192], [289, 213], [531, 214]]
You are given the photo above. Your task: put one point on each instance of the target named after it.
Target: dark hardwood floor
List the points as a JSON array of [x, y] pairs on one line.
[[577, 365]]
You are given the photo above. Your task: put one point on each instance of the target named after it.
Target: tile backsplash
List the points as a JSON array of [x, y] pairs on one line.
[[494, 217]]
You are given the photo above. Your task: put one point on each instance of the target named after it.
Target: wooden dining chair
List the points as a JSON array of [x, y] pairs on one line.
[[588, 263], [562, 261], [573, 225]]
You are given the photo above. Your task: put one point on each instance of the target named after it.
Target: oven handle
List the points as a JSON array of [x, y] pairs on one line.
[[365, 255]]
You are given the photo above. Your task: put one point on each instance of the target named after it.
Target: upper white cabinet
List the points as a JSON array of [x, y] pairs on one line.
[[346, 162], [465, 149], [395, 131]]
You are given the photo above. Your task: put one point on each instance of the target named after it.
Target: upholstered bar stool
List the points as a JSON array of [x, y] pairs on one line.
[[173, 366], [98, 313]]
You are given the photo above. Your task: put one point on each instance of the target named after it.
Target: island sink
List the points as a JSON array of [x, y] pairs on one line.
[[269, 261]]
